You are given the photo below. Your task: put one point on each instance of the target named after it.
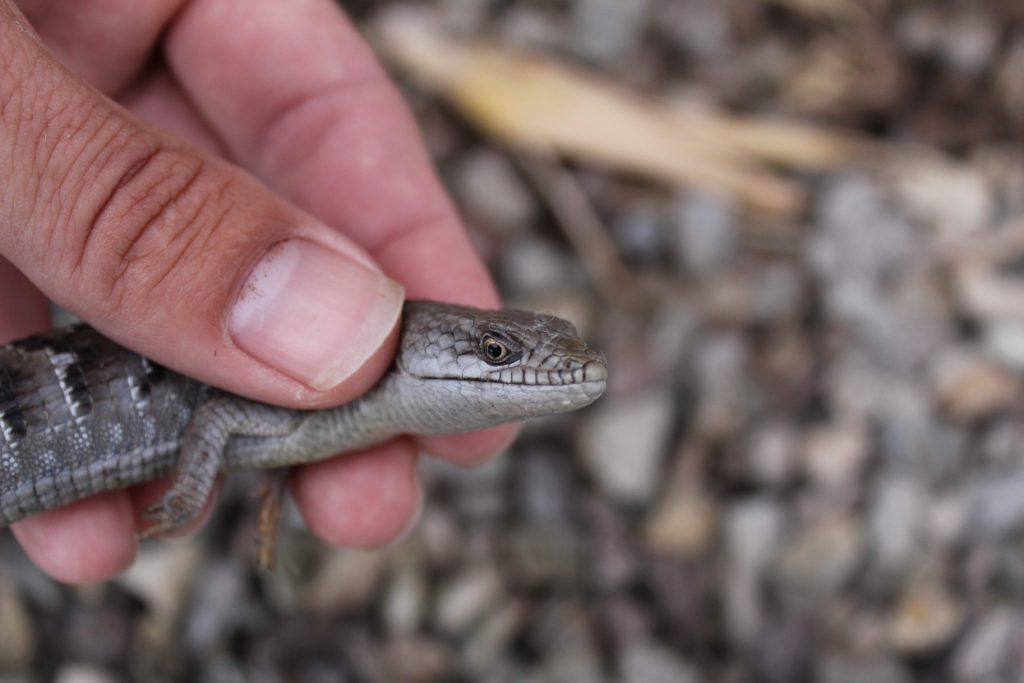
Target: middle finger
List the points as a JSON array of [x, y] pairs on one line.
[[105, 42]]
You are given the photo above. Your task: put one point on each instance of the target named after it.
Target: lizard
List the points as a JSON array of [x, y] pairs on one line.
[[80, 414]]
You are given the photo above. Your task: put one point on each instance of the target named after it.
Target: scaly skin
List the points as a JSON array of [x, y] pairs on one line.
[[80, 414]]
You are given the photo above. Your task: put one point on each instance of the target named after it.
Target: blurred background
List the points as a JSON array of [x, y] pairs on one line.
[[795, 228]]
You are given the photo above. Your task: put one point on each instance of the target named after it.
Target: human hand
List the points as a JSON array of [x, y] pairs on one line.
[[279, 294]]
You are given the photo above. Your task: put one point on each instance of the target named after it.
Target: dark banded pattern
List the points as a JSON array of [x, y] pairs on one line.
[[12, 421], [72, 394]]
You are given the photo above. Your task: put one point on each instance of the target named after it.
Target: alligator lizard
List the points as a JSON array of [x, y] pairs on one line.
[[80, 414]]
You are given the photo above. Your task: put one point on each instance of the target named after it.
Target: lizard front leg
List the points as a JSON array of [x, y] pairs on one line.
[[215, 421]]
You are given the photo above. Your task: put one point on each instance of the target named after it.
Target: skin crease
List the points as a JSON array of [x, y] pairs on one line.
[[298, 100]]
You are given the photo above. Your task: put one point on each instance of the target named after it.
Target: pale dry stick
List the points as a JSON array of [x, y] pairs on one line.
[[582, 226], [545, 108], [786, 144]]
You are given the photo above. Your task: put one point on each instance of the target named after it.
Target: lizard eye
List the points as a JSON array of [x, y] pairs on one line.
[[495, 351]]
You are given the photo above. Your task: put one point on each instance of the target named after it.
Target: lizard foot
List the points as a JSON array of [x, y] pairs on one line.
[[172, 513], [272, 496]]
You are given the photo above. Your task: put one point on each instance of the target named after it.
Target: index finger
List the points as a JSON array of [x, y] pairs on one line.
[[300, 100]]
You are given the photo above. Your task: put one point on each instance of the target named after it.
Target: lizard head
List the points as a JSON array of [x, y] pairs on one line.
[[497, 365]]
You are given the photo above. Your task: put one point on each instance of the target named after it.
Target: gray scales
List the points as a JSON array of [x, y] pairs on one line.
[[81, 414]]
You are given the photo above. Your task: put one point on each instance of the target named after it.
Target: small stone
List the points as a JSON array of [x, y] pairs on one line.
[[899, 329], [607, 31], [946, 520], [896, 516], [682, 525], [439, 533], [405, 599], [926, 618], [466, 597], [162, 576], [1002, 164], [544, 486], [834, 455], [650, 662], [753, 529], [463, 16], [999, 444], [997, 504], [671, 331], [493, 193], [856, 389], [545, 554], [701, 27], [347, 580], [752, 294], [963, 37], [623, 445], [1005, 340], [861, 238], [771, 456], [563, 633], [488, 641], [971, 40], [532, 28], [991, 288], [640, 233], [912, 435], [991, 648], [706, 235], [18, 639], [217, 606], [725, 393], [816, 563], [970, 387], [534, 265], [743, 607], [778, 294], [953, 199]]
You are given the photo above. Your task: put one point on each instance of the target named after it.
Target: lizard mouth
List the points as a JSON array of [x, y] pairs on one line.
[[593, 373]]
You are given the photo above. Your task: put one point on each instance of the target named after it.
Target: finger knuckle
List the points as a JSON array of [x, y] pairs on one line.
[[151, 226]]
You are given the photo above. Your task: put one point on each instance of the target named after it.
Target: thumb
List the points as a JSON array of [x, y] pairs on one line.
[[175, 254]]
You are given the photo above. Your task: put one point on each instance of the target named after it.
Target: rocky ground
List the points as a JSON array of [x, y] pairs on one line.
[[809, 465]]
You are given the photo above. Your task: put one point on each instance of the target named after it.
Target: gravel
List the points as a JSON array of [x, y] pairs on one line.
[[808, 466]]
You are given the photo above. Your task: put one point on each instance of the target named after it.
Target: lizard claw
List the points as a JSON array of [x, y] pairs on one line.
[[172, 513], [153, 530]]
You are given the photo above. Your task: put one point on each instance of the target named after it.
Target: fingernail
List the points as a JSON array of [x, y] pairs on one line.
[[313, 313]]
